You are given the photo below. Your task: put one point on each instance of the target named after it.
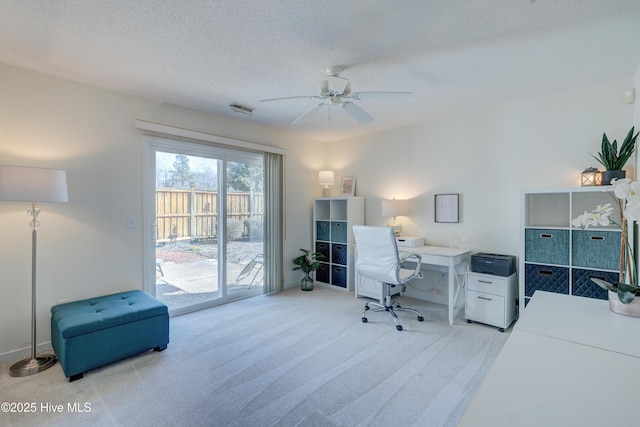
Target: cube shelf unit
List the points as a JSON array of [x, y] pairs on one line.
[[333, 221], [557, 257]]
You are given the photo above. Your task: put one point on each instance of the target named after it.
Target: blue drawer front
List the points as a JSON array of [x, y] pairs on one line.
[[322, 230], [596, 249], [339, 232], [583, 286], [323, 248], [339, 254], [546, 246], [339, 276], [323, 273], [545, 278]]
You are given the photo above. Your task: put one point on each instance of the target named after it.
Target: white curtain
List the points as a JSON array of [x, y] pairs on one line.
[[273, 222]]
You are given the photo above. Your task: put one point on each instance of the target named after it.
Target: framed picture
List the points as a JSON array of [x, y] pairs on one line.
[[447, 208], [348, 186]]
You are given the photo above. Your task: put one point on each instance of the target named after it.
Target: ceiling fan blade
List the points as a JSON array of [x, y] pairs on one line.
[[292, 97], [308, 113], [357, 113], [382, 95]]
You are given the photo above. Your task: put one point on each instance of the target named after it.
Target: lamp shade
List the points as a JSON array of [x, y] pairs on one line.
[[26, 184], [395, 207], [325, 178]]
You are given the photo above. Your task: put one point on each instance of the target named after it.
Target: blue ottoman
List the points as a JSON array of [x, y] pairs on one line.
[[91, 333]]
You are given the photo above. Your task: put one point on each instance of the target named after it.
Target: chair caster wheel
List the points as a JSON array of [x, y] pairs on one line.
[[399, 327], [364, 320], [366, 307], [420, 318], [468, 321], [399, 306]]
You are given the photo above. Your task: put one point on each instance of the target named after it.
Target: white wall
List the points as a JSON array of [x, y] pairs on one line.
[[84, 246], [488, 156]]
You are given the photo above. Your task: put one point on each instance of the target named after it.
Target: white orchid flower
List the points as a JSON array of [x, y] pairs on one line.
[[632, 211], [621, 187], [598, 216], [633, 195], [580, 221]]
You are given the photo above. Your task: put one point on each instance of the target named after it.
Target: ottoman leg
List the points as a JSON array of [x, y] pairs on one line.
[[76, 377]]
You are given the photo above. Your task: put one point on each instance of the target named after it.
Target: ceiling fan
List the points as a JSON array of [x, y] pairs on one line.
[[335, 91]]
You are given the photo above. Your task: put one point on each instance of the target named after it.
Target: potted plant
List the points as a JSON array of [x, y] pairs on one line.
[[624, 295], [307, 262], [614, 160]]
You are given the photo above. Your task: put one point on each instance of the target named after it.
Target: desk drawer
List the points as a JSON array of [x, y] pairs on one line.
[[485, 308], [493, 285]]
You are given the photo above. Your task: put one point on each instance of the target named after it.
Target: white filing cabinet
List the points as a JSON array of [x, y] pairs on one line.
[[491, 299]]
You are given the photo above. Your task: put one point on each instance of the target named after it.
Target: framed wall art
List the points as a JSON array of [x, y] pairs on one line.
[[447, 207], [348, 186]]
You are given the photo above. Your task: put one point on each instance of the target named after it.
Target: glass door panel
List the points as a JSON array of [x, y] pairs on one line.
[[244, 225], [187, 245]]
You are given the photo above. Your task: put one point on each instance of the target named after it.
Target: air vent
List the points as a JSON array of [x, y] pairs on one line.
[[241, 109]]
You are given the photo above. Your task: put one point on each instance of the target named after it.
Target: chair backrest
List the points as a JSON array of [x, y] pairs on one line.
[[377, 253]]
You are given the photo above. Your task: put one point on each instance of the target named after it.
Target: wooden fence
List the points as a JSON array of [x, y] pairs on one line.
[[193, 214]]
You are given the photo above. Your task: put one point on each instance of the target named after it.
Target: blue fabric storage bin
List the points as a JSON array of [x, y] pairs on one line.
[[323, 273], [339, 254], [546, 246], [596, 249], [583, 286], [545, 278], [322, 230], [323, 248], [339, 276], [339, 232]]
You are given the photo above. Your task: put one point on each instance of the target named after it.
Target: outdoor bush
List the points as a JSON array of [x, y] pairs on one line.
[[235, 227]]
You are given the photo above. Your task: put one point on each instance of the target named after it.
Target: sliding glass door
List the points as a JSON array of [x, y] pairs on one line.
[[207, 213]]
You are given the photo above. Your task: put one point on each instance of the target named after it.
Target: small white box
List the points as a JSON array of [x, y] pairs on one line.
[[410, 241]]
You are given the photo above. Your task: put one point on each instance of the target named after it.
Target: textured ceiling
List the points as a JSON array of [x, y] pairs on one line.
[[453, 54]]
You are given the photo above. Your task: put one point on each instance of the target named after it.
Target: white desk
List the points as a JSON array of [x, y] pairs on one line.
[[585, 321], [456, 261], [566, 363]]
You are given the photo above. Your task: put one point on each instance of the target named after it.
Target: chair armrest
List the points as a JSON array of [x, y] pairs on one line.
[[417, 258]]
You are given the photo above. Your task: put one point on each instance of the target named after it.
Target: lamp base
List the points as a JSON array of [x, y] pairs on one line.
[[326, 192], [397, 229], [30, 366]]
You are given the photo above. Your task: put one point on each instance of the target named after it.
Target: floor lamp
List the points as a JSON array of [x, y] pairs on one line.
[[25, 184]]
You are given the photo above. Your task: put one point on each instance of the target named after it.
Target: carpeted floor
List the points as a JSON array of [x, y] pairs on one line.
[[290, 359]]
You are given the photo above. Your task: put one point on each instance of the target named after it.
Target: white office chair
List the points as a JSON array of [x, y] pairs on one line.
[[377, 258]]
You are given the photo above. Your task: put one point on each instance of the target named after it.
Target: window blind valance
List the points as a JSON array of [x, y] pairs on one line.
[[207, 137]]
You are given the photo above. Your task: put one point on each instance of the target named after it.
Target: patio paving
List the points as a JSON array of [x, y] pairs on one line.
[[189, 282]]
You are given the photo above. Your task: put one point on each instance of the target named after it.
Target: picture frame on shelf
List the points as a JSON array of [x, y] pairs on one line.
[[348, 186], [447, 207]]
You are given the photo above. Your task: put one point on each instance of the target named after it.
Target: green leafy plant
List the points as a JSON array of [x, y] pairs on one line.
[[610, 157], [308, 261]]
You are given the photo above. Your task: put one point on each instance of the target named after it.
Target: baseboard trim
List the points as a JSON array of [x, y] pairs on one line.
[[23, 353]]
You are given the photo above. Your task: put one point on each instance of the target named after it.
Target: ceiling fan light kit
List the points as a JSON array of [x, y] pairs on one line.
[[336, 91]]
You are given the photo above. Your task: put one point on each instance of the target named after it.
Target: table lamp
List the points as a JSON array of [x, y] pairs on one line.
[[395, 208], [26, 184], [325, 178]]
